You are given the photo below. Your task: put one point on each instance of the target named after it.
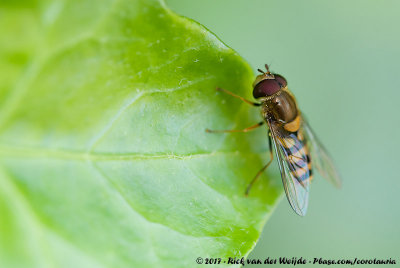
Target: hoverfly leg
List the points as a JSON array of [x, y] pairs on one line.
[[263, 168], [236, 130], [239, 97]]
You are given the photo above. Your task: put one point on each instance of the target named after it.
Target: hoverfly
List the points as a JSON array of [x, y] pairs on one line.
[[295, 144]]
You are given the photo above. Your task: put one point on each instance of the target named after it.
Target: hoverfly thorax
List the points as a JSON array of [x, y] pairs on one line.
[[278, 103]]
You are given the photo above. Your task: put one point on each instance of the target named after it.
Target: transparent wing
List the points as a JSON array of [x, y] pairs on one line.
[[293, 164], [319, 155]]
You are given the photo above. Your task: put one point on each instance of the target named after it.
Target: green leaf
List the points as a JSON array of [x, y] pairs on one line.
[[104, 157]]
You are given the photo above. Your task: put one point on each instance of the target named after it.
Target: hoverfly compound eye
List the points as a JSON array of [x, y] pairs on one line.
[[266, 88], [281, 80]]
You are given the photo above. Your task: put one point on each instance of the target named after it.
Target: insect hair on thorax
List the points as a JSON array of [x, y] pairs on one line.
[[266, 109]]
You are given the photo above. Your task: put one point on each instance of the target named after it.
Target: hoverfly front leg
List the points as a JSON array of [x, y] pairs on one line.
[[263, 168], [239, 97]]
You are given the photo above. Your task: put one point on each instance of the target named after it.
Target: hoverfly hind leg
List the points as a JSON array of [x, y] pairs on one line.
[[263, 168]]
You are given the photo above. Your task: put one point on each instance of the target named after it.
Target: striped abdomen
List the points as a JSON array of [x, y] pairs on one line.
[[297, 157]]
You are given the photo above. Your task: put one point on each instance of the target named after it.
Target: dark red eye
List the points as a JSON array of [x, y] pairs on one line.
[[266, 88], [281, 80]]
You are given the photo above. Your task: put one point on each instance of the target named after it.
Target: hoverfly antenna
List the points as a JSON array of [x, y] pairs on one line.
[[261, 71], [267, 67]]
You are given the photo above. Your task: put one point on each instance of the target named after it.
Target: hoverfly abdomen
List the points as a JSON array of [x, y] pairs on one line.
[[296, 155]]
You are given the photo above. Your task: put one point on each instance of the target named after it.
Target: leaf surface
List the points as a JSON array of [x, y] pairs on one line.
[[104, 157]]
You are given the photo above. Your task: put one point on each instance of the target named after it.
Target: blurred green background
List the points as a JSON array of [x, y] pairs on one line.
[[341, 60]]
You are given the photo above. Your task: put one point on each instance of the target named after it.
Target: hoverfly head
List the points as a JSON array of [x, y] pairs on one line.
[[267, 84]]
